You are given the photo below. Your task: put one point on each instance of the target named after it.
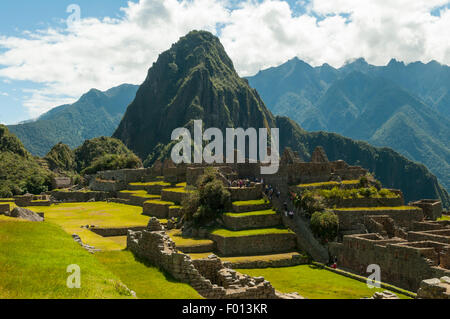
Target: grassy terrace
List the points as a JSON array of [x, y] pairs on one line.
[[160, 202], [314, 283], [180, 241], [177, 190], [445, 217], [323, 184], [72, 216], [147, 281], [140, 193], [273, 257], [34, 259], [251, 232], [405, 208], [255, 213], [160, 183], [250, 202]]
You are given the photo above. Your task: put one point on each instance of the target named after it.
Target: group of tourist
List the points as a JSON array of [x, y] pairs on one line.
[[241, 183]]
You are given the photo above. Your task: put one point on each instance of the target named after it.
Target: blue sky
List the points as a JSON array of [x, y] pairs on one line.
[[17, 16], [43, 63]]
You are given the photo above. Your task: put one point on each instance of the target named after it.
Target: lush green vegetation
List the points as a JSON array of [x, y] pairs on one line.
[[112, 162], [208, 201], [19, 171], [34, 258], [146, 280], [62, 158], [251, 232], [72, 216], [314, 282], [358, 101], [325, 225], [104, 153], [94, 114]]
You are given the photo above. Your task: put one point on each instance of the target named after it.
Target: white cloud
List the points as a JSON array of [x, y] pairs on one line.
[[4, 94], [104, 53]]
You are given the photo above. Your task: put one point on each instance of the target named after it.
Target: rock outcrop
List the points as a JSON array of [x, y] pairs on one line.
[[26, 214]]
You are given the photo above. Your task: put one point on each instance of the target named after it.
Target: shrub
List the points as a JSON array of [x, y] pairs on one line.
[[208, 201], [325, 225], [307, 203], [363, 182], [113, 162]]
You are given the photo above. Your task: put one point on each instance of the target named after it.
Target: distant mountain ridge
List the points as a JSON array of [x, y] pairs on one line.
[[405, 107], [95, 114], [195, 79]]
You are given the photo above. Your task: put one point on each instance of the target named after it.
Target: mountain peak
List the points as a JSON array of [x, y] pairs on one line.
[[193, 80], [395, 62]]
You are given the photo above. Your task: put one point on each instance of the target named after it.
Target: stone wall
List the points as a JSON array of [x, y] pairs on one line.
[[246, 193], [80, 197], [432, 209], [208, 276], [370, 202], [61, 182], [4, 208], [437, 235], [157, 209], [173, 196], [115, 231], [402, 263], [434, 288], [251, 207], [255, 244], [252, 221], [124, 175], [349, 219], [101, 185]]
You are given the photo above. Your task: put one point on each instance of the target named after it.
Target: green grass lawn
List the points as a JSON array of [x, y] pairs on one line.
[[71, 216], [314, 283], [254, 213], [34, 258], [445, 217], [147, 281], [251, 232]]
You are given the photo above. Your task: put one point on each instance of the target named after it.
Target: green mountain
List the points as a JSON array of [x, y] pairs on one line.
[[19, 171], [100, 153], [95, 114], [398, 106], [195, 79]]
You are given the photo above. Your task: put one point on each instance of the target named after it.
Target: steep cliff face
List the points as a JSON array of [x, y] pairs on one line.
[[193, 80], [196, 79]]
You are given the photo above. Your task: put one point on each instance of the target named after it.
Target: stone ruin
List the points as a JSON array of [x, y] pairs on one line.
[[208, 276], [434, 288], [319, 155]]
